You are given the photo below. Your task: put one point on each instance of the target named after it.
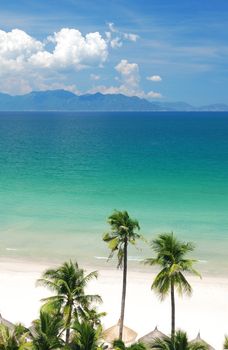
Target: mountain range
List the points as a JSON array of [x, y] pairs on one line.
[[61, 100]]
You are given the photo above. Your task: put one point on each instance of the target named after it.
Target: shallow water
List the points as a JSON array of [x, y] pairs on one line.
[[62, 174]]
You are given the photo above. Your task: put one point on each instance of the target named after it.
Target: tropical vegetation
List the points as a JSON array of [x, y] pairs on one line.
[[171, 256], [15, 338], [124, 231], [179, 341], [68, 282], [69, 318]]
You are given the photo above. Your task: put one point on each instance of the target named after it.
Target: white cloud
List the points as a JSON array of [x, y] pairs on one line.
[[94, 77], [153, 95], [17, 45], [72, 49], [116, 43], [126, 68], [108, 36], [119, 36], [129, 83], [131, 36], [155, 78], [27, 63]]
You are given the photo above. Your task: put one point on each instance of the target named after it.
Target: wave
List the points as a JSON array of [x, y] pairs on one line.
[[11, 249]]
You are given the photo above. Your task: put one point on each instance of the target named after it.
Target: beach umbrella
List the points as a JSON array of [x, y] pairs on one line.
[[198, 338], [112, 333], [150, 337], [6, 323]]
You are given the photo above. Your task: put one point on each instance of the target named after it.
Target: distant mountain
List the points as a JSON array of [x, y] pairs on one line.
[[219, 107], [61, 100]]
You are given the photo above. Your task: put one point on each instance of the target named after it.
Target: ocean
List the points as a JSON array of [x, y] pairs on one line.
[[63, 174]]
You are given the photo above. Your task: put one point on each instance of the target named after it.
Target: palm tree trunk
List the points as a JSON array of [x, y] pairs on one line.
[[68, 325], [172, 311], [123, 291]]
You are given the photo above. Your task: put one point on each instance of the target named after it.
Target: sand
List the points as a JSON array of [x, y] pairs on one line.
[[206, 311]]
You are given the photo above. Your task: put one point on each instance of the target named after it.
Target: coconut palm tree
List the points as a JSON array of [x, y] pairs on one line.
[[68, 282], [46, 332], [14, 339], [178, 342], [171, 256], [85, 337], [123, 232], [93, 317]]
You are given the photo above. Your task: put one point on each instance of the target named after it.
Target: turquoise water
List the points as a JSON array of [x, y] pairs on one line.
[[62, 174]]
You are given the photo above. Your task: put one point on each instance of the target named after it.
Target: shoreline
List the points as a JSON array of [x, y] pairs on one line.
[[206, 311]]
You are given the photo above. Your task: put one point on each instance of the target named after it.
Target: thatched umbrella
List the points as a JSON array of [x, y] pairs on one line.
[[199, 339], [112, 333], [6, 323], [150, 337]]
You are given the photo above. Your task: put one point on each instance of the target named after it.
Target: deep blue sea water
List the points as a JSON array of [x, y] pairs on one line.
[[62, 174]]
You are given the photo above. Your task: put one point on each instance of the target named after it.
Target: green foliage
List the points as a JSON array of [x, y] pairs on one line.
[[93, 317], [68, 282], [14, 339], [85, 337], [119, 345], [46, 332], [179, 342], [171, 256], [122, 231]]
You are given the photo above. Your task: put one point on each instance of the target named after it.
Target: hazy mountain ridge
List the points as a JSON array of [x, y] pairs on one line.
[[62, 100]]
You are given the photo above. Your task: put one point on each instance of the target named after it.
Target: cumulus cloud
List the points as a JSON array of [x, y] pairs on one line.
[[155, 78], [72, 49], [17, 45], [16, 48], [129, 82], [27, 63]]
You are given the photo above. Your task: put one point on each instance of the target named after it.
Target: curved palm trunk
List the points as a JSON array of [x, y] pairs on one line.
[[172, 311], [123, 291]]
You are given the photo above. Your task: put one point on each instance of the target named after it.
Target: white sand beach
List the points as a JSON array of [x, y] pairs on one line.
[[206, 311]]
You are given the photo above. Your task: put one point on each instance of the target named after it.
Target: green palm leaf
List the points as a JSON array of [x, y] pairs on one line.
[[171, 257]]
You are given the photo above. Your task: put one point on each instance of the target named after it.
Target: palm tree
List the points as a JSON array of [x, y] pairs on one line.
[[85, 337], [178, 342], [122, 233], [14, 339], [68, 282], [171, 256], [93, 317], [46, 332]]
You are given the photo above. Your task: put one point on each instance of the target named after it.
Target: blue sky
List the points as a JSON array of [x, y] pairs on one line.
[[161, 50]]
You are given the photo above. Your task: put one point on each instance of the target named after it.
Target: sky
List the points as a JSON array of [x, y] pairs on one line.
[[161, 50]]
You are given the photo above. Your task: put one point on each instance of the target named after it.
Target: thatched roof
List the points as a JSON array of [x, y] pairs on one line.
[[112, 333], [6, 323], [198, 338], [150, 337]]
